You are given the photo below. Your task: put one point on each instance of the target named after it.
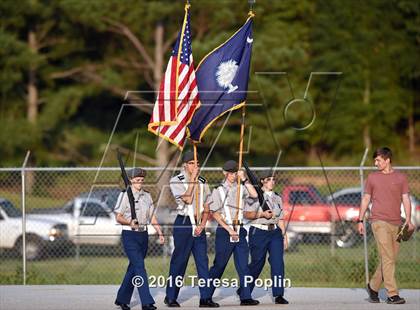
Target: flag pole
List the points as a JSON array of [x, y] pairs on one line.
[[197, 207], [241, 145], [241, 141], [186, 8]]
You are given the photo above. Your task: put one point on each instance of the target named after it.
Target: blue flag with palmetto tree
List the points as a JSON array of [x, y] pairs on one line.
[[222, 80]]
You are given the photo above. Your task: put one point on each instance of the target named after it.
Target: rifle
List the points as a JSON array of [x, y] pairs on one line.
[[127, 184], [256, 183]]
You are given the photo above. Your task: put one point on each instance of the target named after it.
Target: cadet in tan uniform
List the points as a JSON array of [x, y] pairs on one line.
[[135, 240], [267, 235], [230, 235]]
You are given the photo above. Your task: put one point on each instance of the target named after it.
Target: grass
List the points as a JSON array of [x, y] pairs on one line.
[[312, 265], [32, 201]]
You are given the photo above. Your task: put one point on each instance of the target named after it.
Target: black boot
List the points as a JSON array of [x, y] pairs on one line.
[[280, 300], [249, 302], [122, 306], [208, 303], [171, 303]]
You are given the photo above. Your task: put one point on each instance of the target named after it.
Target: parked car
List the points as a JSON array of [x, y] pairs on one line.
[[166, 216], [92, 222], [43, 236], [312, 216], [352, 197]]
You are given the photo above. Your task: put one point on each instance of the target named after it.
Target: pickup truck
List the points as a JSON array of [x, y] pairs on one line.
[[90, 221], [309, 214], [43, 236]]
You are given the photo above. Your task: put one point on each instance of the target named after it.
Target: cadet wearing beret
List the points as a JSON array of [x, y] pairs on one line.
[[189, 234], [231, 238], [135, 239], [267, 235]]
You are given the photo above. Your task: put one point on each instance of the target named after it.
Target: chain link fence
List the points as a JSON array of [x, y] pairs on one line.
[[72, 236]]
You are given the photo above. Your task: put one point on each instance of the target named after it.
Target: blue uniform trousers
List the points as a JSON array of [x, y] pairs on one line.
[[135, 246], [262, 242], [224, 250], [185, 243]]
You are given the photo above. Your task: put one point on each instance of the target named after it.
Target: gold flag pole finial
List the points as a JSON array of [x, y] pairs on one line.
[[251, 5]]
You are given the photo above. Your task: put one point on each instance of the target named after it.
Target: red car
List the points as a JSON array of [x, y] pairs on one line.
[[309, 213]]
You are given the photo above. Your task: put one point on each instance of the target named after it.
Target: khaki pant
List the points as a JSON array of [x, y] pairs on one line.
[[385, 235]]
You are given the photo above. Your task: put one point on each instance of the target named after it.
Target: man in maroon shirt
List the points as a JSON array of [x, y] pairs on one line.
[[386, 189]]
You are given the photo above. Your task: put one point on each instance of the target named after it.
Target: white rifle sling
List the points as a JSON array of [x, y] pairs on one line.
[[190, 207], [228, 216]]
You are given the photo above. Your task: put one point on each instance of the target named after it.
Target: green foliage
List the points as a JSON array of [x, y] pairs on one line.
[[85, 62]]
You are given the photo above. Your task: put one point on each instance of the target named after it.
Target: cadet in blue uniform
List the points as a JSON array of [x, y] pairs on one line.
[[231, 238], [189, 233], [135, 240], [267, 235]]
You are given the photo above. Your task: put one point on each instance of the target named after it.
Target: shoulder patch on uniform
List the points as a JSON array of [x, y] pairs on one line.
[[181, 177], [146, 191], [202, 179], [277, 194]]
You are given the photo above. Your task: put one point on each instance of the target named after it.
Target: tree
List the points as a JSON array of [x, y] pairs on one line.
[[67, 65], [36, 43], [357, 38], [406, 19]]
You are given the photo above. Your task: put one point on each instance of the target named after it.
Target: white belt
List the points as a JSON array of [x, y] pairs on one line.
[[264, 226], [228, 216], [183, 212], [142, 228]]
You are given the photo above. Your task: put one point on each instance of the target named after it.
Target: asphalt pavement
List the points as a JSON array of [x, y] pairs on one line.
[[80, 297]]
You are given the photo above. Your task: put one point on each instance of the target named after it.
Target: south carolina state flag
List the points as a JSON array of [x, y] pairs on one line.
[[222, 80]]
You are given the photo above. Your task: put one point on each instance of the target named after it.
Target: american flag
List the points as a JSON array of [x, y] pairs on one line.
[[178, 94]]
